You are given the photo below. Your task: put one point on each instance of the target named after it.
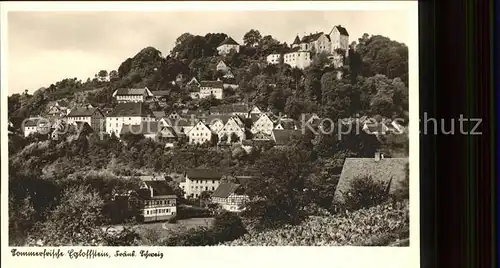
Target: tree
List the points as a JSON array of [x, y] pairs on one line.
[[279, 197], [214, 140], [381, 55], [102, 75], [113, 75], [252, 38], [75, 221], [234, 138], [223, 138]]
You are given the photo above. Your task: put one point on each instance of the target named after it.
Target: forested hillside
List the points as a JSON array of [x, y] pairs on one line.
[[52, 183]]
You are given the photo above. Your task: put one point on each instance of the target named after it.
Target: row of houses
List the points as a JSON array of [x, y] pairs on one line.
[[155, 201]]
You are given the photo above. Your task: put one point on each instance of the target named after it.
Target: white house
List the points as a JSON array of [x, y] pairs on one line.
[[231, 127], [217, 122], [37, 124], [208, 88], [255, 110], [339, 38], [92, 116], [227, 46], [321, 42], [222, 66], [130, 113], [298, 58], [200, 180], [273, 58], [132, 94], [57, 110], [158, 204], [200, 133], [263, 124], [230, 196]]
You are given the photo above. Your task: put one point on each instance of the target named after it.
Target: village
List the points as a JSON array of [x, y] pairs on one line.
[[140, 111]]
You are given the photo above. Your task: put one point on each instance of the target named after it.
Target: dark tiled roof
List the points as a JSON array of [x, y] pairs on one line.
[[131, 91], [288, 124], [83, 112], [388, 170], [342, 30], [131, 109], [213, 118], [255, 117], [160, 93], [282, 137], [229, 41], [213, 84], [296, 41], [144, 128], [204, 173], [159, 114], [230, 108], [311, 37], [225, 189], [160, 187]]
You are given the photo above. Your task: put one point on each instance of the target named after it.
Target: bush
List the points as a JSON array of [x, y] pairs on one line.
[[365, 193], [376, 226], [227, 227]]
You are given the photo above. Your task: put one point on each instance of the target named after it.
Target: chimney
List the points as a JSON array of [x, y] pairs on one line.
[[151, 191], [377, 156]]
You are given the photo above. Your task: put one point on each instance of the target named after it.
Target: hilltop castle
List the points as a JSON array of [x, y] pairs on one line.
[[300, 56]]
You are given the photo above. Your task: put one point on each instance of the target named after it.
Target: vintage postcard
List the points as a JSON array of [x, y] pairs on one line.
[[207, 133]]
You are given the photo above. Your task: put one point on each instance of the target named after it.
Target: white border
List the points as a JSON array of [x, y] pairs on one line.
[[233, 256]]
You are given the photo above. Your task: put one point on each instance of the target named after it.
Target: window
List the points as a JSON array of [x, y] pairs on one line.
[[206, 188], [213, 188], [213, 181]]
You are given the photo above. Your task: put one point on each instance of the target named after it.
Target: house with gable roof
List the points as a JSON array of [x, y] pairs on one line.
[[227, 46], [393, 172], [233, 126], [263, 124], [230, 196], [133, 94], [92, 116], [200, 133], [199, 180], [156, 201], [131, 113], [208, 88]]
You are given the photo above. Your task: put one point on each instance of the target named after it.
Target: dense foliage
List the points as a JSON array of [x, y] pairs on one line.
[[375, 226]]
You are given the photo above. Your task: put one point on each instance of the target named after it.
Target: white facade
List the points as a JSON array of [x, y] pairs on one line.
[[273, 58], [231, 127], [130, 98], [338, 40], [28, 130], [195, 187], [199, 134], [233, 203], [264, 124], [207, 91], [97, 121], [300, 59], [216, 126], [115, 124], [226, 49]]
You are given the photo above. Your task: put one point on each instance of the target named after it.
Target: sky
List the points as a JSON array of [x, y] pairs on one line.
[[46, 47]]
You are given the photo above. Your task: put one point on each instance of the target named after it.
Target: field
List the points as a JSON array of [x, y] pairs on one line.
[[164, 229]]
